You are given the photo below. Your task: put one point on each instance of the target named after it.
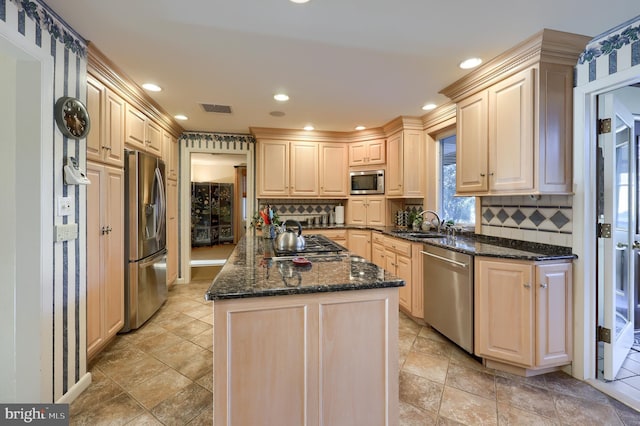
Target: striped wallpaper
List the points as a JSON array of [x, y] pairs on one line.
[[34, 22]]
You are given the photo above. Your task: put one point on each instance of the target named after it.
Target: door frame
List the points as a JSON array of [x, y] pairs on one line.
[[584, 216], [185, 149]]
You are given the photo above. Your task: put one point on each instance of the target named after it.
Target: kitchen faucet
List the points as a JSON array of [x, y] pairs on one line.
[[433, 213]]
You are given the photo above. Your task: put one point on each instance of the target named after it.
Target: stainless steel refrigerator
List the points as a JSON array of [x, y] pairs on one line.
[[145, 238]]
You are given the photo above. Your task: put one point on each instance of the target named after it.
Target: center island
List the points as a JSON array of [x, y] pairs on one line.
[[303, 344]]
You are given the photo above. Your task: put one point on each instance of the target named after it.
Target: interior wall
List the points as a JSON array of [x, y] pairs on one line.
[[212, 173], [49, 282]]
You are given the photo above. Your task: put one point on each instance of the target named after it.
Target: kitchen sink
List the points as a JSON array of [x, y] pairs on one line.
[[421, 234]]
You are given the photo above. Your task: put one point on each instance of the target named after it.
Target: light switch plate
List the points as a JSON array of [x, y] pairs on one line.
[[64, 206], [66, 232]]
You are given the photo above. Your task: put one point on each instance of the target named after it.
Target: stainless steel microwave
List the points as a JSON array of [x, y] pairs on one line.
[[367, 182]]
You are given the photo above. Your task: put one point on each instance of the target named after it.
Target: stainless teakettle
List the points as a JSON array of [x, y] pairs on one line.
[[288, 240]]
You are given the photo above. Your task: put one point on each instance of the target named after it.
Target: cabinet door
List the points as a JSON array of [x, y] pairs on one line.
[[376, 211], [114, 129], [303, 167], [154, 139], [403, 270], [95, 218], [554, 341], [134, 128], [511, 155], [273, 168], [172, 231], [113, 206], [360, 243], [393, 178], [413, 164], [334, 173], [376, 151], [357, 211], [472, 145], [170, 155], [378, 255], [357, 153], [504, 324], [95, 107], [417, 282]]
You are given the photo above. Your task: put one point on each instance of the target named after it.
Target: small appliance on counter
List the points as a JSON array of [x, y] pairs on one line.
[[339, 217]]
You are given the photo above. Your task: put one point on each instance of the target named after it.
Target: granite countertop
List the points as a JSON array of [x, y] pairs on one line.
[[250, 271], [473, 244]]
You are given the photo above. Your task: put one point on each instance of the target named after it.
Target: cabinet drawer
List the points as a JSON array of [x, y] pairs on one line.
[[332, 234], [377, 238], [397, 245]]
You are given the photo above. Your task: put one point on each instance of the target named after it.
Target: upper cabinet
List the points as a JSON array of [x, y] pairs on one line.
[[170, 155], [406, 163], [514, 119], [366, 153], [141, 132], [301, 169], [105, 141]]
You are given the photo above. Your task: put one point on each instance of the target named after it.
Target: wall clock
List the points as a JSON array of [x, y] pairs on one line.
[[72, 117]]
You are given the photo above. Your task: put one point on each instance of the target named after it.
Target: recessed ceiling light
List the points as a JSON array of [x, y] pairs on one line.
[[428, 107], [299, 1], [281, 97], [181, 117], [470, 63], [360, 127], [151, 87], [308, 127]]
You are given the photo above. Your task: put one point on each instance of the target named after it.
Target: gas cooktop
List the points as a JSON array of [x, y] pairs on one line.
[[315, 246]]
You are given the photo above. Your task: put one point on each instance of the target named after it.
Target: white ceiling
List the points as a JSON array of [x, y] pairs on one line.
[[342, 62]]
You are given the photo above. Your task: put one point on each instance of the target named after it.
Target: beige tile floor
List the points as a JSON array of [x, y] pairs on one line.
[[162, 374]]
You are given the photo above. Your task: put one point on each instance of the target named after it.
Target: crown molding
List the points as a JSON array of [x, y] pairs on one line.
[[316, 135], [115, 79], [439, 118], [548, 46]]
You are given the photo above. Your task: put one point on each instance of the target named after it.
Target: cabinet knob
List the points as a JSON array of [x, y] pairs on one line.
[[527, 285], [482, 175], [543, 285], [491, 174]]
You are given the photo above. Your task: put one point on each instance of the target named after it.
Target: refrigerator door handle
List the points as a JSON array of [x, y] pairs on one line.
[[153, 259], [162, 207]]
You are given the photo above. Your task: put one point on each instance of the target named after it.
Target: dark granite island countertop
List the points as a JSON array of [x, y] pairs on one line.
[[250, 271]]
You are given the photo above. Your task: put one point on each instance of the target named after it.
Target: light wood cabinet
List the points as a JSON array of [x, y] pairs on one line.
[[170, 153], [405, 176], [360, 242], [367, 152], [377, 249], [105, 255], [403, 259], [334, 176], [366, 211], [142, 133], [325, 358], [523, 314], [288, 169], [515, 119], [105, 141], [172, 231]]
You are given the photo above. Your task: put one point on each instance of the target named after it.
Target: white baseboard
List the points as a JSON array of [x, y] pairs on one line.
[[75, 390]]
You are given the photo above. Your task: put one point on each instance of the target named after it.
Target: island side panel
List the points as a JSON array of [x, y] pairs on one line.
[[341, 337]]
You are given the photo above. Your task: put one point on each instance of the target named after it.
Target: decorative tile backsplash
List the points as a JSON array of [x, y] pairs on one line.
[[548, 219], [300, 209]]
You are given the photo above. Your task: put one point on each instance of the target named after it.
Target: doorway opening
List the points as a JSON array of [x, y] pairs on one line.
[[26, 348], [618, 242]]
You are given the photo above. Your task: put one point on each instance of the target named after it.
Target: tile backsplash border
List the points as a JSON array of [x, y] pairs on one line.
[[547, 219]]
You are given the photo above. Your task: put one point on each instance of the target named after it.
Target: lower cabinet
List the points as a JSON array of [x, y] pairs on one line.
[[360, 242], [523, 314], [324, 358], [105, 255], [403, 259]]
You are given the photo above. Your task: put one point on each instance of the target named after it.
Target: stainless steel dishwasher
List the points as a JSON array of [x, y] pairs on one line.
[[448, 293]]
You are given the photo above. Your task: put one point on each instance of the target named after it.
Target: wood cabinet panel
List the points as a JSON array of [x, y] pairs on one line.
[[303, 169], [554, 311], [105, 141], [105, 254], [360, 242], [170, 155], [172, 231], [472, 145], [273, 168], [334, 176], [135, 128], [365, 153]]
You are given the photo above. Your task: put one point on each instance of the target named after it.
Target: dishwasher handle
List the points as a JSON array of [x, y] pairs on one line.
[[444, 259]]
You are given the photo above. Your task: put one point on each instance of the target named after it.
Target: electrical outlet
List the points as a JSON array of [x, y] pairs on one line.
[[66, 232], [64, 206]]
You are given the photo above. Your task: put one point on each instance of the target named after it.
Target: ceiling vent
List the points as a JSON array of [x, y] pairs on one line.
[[222, 109]]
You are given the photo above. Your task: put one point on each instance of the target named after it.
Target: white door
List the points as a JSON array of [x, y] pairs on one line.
[[615, 253]]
